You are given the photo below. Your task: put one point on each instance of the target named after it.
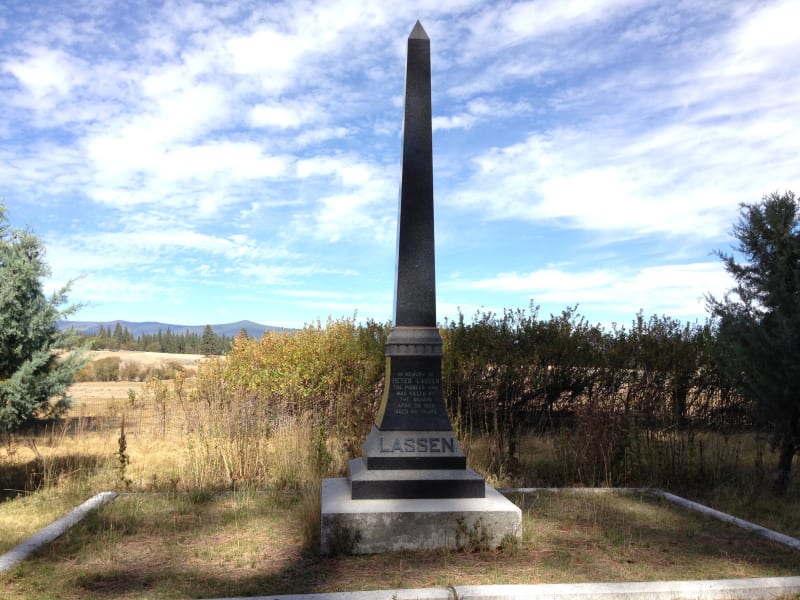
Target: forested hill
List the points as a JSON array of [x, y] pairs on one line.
[[165, 337], [92, 328]]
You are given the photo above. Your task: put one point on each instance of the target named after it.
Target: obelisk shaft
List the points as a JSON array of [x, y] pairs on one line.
[[415, 285]]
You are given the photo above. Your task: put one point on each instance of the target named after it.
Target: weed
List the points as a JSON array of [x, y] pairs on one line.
[[510, 544], [159, 392], [322, 457], [474, 538], [123, 458], [199, 497]]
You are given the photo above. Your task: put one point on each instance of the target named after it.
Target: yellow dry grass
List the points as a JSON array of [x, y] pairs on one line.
[[149, 359], [78, 457]]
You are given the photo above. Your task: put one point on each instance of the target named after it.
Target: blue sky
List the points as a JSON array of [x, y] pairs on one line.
[[201, 163]]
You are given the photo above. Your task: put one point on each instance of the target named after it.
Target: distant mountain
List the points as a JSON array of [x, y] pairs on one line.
[[254, 330]]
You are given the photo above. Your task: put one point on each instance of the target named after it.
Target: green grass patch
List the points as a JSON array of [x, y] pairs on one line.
[[247, 542]]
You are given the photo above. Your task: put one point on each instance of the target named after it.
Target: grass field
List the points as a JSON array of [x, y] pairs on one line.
[[244, 543], [176, 539], [149, 359]]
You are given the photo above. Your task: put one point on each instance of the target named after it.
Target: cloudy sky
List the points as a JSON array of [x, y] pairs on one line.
[[202, 163]]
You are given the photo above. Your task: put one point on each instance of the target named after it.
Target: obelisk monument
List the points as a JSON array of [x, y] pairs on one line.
[[412, 435], [412, 486]]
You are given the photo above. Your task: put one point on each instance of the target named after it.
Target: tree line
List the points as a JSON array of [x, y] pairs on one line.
[[120, 338]]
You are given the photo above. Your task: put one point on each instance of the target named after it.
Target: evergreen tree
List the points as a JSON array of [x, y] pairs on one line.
[[759, 320], [31, 373], [209, 341]]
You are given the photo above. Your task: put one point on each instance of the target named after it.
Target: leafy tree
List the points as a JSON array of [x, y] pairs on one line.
[[759, 320], [31, 372]]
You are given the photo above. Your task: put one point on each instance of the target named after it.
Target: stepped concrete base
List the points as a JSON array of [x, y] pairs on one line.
[[371, 526]]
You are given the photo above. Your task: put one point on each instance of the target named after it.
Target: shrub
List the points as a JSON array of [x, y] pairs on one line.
[[132, 371], [107, 369]]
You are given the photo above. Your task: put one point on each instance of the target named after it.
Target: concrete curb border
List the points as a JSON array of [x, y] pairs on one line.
[[682, 502], [44, 536], [714, 589], [755, 528]]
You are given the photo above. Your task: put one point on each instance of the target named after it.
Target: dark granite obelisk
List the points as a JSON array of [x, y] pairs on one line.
[[412, 489], [412, 451]]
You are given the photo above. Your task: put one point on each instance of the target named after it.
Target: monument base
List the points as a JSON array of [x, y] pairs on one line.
[[409, 484], [373, 526]]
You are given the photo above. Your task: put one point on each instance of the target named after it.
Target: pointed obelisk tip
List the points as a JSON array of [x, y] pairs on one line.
[[418, 33]]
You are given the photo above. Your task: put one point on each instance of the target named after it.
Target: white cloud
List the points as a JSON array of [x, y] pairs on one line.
[[285, 274], [349, 171], [103, 252], [536, 19], [121, 291], [241, 160], [316, 136], [676, 289], [267, 51], [352, 204], [47, 74], [681, 178], [462, 121], [765, 40], [182, 115], [545, 280], [316, 294], [344, 216], [283, 115], [42, 169]]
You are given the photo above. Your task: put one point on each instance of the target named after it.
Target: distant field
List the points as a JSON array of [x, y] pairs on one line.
[[110, 398], [149, 359]]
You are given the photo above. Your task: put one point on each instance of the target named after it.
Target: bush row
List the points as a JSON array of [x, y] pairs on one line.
[[112, 368], [621, 402]]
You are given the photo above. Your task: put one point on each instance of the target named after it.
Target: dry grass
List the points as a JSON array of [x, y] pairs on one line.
[[171, 445], [52, 470], [244, 543], [187, 542], [149, 359]]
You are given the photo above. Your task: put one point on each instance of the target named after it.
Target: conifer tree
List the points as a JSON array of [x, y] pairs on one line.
[[759, 320], [33, 378], [209, 341]]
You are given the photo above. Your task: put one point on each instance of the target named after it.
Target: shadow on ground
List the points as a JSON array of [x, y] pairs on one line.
[[22, 478]]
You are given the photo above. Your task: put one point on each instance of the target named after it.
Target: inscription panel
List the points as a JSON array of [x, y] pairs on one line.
[[413, 398], [416, 392]]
